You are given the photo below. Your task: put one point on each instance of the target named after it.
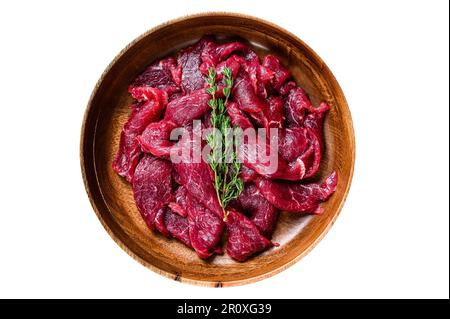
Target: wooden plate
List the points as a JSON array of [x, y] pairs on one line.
[[112, 198]]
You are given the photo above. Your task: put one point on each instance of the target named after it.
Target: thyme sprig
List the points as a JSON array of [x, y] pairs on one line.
[[223, 158]]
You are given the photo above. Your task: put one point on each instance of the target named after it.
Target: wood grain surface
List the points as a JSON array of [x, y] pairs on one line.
[[112, 197]]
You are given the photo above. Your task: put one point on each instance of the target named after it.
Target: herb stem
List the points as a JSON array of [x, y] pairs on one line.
[[227, 182]]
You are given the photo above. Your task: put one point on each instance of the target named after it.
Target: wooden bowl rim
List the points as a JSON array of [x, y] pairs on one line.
[[178, 277]]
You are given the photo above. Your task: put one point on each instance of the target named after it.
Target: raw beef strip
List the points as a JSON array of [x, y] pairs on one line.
[[214, 53], [152, 187], [250, 156], [297, 106], [314, 120], [178, 227], [280, 74], [266, 112], [275, 113], [314, 124], [233, 63], [205, 228], [156, 138], [145, 93], [259, 76], [198, 179], [189, 60], [292, 143], [164, 75], [238, 118], [297, 198], [244, 95], [244, 239], [185, 109], [142, 114], [264, 215], [247, 174], [313, 154], [286, 88], [179, 206]]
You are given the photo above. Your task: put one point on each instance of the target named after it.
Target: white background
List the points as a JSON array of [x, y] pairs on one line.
[[391, 59]]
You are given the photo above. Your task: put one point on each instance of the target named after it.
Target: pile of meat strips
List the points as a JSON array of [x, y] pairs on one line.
[[178, 199]]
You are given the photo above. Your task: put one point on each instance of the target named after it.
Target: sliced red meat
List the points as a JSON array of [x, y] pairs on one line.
[[292, 143], [280, 73], [249, 93], [198, 179], [145, 93], [184, 110], [156, 138], [263, 96], [233, 63], [314, 124], [178, 227], [189, 60], [251, 155], [238, 118], [275, 112], [313, 154], [164, 75], [247, 174], [244, 239], [245, 96], [205, 228], [297, 106], [179, 206], [214, 53], [142, 114], [286, 88], [263, 214], [152, 187], [296, 197], [314, 120], [259, 76]]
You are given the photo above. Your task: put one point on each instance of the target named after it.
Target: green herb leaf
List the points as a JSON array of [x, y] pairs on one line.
[[223, 158]]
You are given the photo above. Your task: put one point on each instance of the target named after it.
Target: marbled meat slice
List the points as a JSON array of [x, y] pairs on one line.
[[156, 138], [245, 96], [142, 114], [244, 239], [292, 143], [178, 227], [256, 157], [263, 214], [205, 228], [297, 106], [214, 53], [189, 60], [275, 112], [196, 175], [296, 197], [280, 73], [152, 188], [180, 203], [259, 77], [185, 109], [164, 75], [314, 124], [198, 178], [251, 154], [238, 118]]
